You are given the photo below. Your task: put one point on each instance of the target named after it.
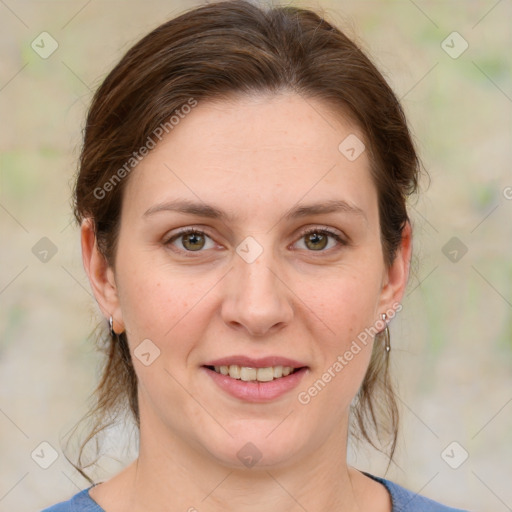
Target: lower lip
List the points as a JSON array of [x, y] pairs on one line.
[[256, 391]]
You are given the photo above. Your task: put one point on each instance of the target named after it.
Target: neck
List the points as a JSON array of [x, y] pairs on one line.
[[174, 476]]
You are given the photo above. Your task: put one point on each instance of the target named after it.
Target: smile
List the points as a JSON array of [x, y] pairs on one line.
[[249, 374], [255, 384]]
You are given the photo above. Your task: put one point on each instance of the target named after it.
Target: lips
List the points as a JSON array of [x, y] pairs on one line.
[[262, 362], [249, 379]]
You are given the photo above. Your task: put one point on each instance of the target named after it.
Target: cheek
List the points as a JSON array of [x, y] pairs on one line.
[[153, 305], [343, 318], [345, 302]]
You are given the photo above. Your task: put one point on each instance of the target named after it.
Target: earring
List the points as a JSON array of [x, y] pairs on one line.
[[111, 326], [386, 334]]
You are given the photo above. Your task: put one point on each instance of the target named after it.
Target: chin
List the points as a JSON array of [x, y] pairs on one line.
[[253, 449]]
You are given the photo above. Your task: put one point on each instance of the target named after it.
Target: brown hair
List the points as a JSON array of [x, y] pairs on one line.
[[213, 52]]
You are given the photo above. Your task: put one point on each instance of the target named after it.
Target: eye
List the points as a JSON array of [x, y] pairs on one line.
[[193, 240], [317, 239]]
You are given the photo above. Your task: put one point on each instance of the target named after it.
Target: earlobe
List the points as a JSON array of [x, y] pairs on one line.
[[101, 275], [397, 275]]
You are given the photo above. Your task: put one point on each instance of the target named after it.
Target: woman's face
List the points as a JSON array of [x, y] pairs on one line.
[[249, 177]]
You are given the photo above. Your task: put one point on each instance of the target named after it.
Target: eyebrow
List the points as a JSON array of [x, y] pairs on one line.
[[205, 210]]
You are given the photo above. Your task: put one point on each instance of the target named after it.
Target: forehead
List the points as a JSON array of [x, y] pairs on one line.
[[255, 152]]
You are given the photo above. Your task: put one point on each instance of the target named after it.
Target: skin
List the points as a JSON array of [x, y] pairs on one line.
[[254, 157]]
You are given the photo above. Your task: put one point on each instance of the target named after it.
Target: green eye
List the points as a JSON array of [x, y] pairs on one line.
[[318, 239], [193, 240]]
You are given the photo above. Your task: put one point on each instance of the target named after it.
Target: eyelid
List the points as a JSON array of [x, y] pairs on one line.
[[339, 236], [185, 231]]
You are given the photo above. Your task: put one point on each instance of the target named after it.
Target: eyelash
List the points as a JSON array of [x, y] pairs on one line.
[[322, 231]]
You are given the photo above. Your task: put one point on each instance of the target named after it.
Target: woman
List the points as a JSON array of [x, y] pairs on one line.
[[242, 201]]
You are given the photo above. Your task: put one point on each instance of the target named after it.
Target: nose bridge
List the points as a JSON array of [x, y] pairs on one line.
[[258, 299], [256, 279]]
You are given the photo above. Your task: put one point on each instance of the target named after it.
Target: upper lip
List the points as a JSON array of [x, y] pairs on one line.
[[260, 362]]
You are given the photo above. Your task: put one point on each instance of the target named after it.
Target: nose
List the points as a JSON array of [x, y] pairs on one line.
[[257, 299]]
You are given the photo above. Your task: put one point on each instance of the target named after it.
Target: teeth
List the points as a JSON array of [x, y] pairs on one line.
[[234, 371], [248, 374], [265, 374]]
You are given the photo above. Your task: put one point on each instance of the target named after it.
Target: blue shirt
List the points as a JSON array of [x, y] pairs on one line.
[[403, 501]]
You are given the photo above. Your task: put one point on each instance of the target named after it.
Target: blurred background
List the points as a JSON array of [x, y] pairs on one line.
[[450, 64]]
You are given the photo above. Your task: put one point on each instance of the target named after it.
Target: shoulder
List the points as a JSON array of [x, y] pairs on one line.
[[80, 502], [407, 501]]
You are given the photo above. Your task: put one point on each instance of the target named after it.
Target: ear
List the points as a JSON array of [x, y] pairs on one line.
[[396, 276], [101, 276]]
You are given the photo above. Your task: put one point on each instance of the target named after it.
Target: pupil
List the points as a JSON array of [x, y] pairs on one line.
[[192, 238], [316, 238]]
